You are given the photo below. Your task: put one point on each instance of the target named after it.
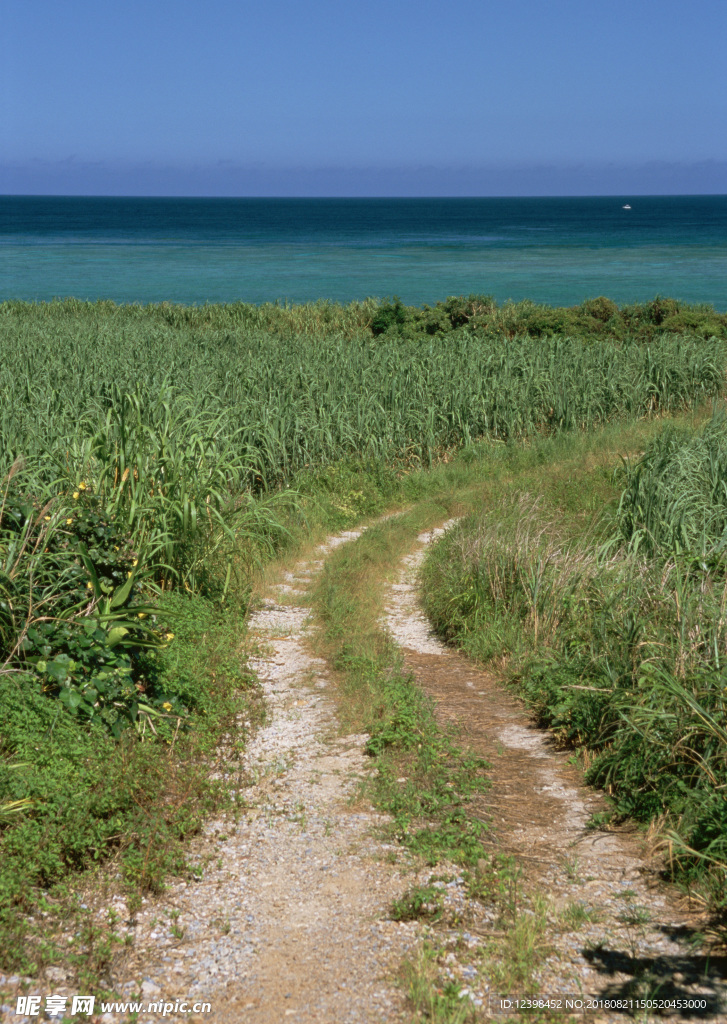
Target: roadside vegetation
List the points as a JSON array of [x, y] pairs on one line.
[[152, 459], [603, 601]]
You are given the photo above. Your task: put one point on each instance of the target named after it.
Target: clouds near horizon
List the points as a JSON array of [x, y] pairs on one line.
[[71, 177], [230, 97]]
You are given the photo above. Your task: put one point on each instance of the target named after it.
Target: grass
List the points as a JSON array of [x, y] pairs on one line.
[[573, 916], [201, 404], [603, 600], [202, 670], [419, 902], [153, 459], [429, 809], [433, 996], [145, 449]]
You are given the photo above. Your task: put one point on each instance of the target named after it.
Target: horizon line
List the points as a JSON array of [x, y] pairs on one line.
[[594, 195]]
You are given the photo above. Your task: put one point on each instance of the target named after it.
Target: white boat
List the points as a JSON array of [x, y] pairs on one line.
[[626, 207]]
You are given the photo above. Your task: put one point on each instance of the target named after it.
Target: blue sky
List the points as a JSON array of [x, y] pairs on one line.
[[381, 97]]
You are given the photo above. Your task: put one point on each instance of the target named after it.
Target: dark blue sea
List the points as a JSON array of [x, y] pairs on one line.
[[559, 250]]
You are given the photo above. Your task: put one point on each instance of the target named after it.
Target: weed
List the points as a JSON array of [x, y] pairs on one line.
[[221, 924], [299, 815], [574, 915], [571, 866], [421, 902], [433, 996], [633, 915], [495, 880], [517, 956]]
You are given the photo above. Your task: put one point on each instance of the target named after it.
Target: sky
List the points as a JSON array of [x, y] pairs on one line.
[[382, 97]]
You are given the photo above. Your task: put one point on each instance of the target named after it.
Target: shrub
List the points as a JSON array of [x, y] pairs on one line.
[[391, 317]]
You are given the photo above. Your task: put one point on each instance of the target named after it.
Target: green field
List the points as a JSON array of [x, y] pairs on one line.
[[153, 458]]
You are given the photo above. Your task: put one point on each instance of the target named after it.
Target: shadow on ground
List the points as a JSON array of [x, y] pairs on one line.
[[689, 978]]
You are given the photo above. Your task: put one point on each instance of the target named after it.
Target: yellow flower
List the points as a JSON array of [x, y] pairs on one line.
[[89, 586], [135, 562], [140, 615], [129, 574], [68, 521], [47, 518], [167, 706], [82, 486], [76, 495], [170, 636]]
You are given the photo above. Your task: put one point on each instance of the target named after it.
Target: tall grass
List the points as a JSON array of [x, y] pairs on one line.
[[152, 440], [675, 497], [617, 636], [286, 395]]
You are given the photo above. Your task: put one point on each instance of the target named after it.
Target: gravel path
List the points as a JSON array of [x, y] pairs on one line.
[[290, 918], [633, 937]]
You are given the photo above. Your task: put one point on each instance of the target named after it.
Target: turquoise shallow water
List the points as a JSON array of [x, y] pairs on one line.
[[560, 250]]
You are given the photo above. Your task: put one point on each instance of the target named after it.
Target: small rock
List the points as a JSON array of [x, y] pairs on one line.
[[150, 988]]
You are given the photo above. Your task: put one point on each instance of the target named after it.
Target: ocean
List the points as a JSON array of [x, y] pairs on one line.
[[552, 250]]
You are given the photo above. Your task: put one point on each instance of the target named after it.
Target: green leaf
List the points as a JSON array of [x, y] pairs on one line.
[[116, 635], [57, 670], [71, 698], [121, 594], [90, 569]]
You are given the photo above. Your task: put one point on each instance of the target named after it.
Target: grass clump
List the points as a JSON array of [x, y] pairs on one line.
[[419, 902], [432, 995], [674, 501]]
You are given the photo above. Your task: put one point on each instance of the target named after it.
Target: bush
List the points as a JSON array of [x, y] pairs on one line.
[[391, 317], [601, 309]]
